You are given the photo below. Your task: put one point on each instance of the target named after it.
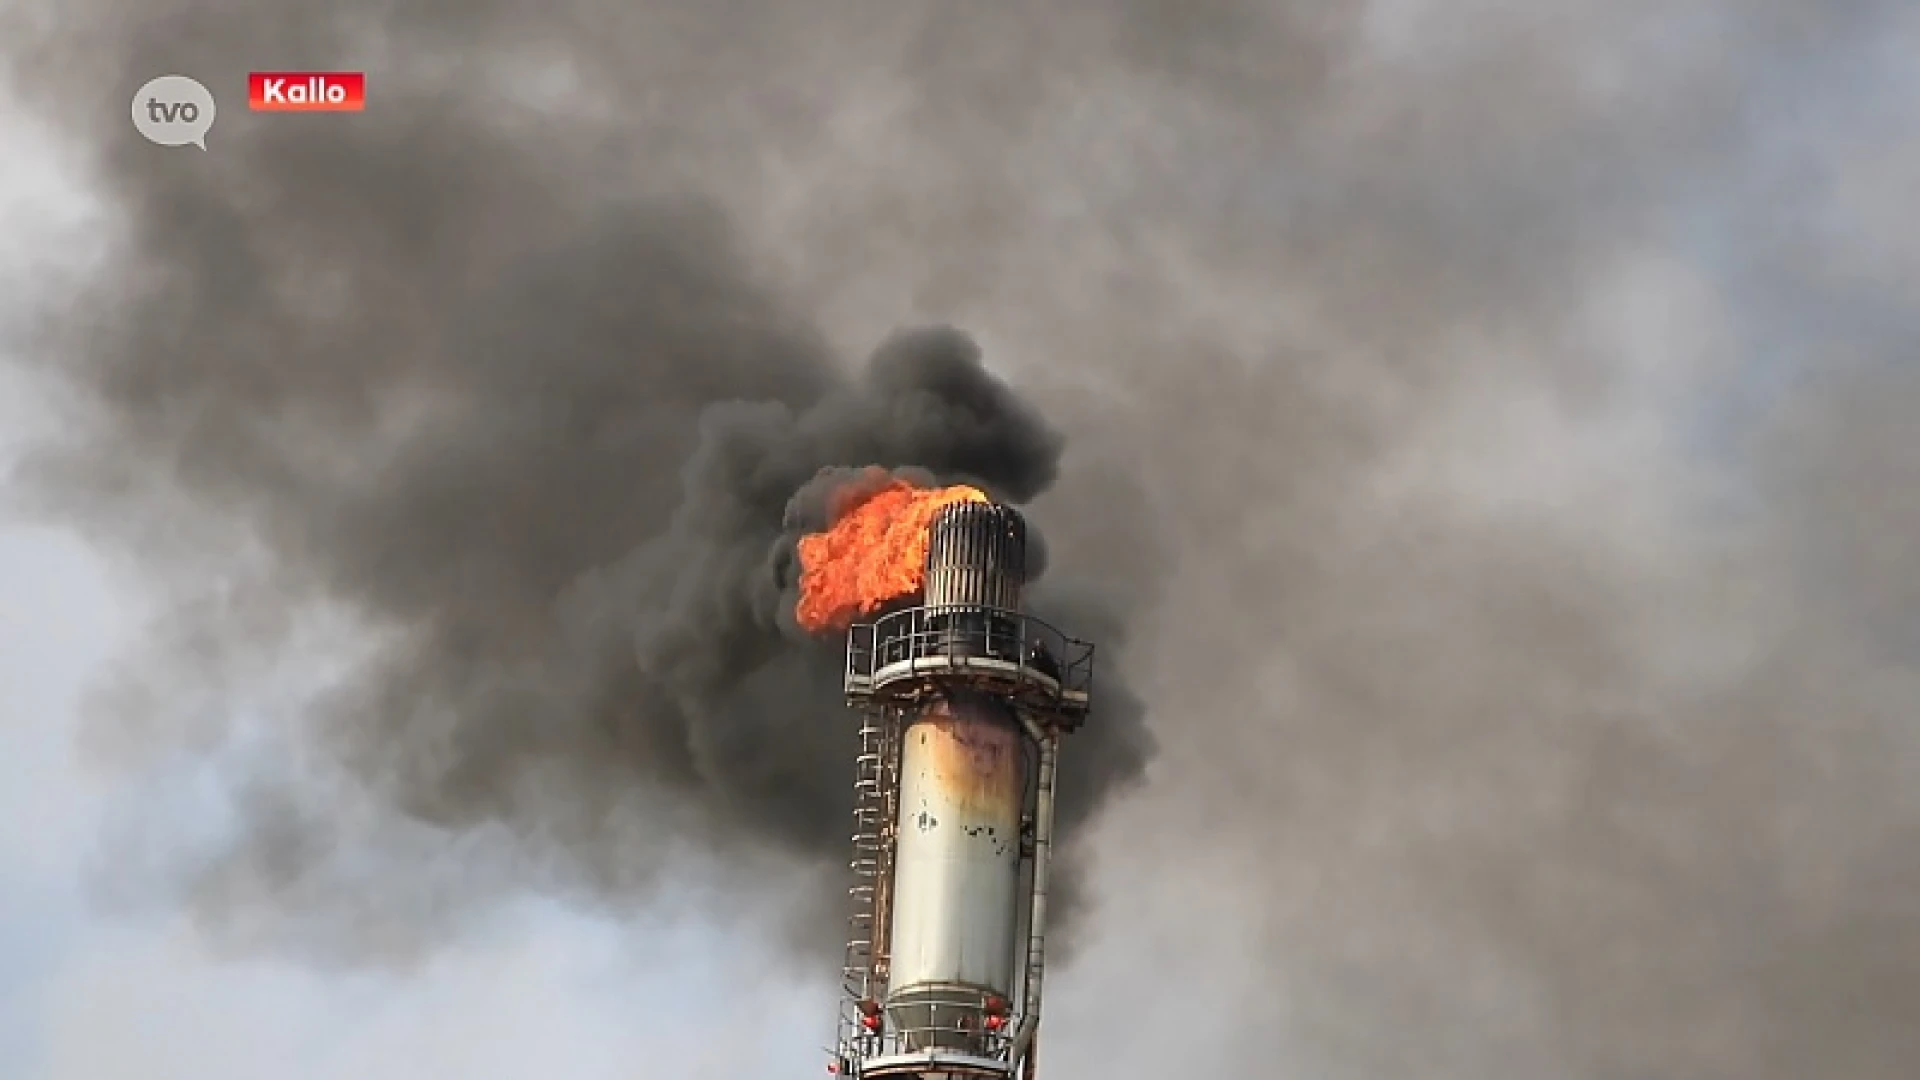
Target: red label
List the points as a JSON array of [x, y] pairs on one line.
[[307, 91]]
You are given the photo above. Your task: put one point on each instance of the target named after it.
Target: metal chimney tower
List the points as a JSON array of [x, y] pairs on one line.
[[963, 702]]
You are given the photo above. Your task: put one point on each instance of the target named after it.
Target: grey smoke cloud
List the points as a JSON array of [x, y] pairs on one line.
[[1491, 426]]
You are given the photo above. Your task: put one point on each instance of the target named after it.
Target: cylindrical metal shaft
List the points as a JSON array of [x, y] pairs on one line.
[[956, 887]]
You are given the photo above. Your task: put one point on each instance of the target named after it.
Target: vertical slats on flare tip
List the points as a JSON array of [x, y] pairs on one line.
[[977, 557]]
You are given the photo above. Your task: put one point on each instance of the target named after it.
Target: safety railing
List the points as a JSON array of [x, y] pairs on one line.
[[954, 1025], [986, 644]]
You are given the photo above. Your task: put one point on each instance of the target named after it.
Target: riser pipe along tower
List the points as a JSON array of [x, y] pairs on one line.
[[963, 701]]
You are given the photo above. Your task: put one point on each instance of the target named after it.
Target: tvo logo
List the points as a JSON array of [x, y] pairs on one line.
[[174, 110]]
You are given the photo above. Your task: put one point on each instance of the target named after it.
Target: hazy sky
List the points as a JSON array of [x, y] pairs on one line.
[[1492, 429]]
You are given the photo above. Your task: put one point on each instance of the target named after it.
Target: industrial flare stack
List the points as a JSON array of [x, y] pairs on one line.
[[963, 701]]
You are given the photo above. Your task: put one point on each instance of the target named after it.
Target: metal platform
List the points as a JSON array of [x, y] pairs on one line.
[[926, 1063], [909, 654], [920, 1042]]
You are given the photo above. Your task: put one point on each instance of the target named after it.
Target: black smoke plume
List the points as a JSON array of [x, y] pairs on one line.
[[582, 558], [539, 451]]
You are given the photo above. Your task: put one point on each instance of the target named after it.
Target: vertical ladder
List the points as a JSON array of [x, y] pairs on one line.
[[874, 811]]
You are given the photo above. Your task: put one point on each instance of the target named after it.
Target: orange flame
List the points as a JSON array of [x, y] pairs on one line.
[[874, 553]]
